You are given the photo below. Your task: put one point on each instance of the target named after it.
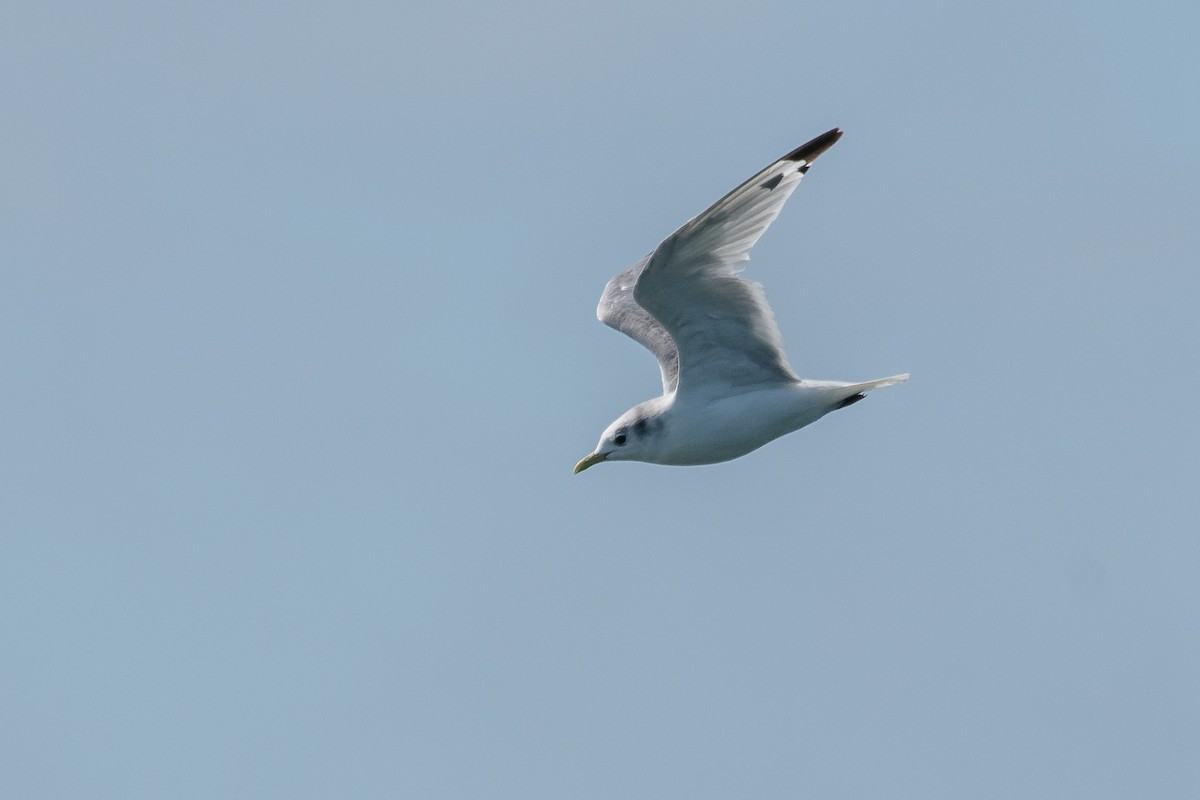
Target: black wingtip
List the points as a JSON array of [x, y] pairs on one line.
[[849, 401], [809, 151]]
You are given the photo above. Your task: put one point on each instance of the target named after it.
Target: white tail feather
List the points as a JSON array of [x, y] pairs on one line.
[[855, 388]]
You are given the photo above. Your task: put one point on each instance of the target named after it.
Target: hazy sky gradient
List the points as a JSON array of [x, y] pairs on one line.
[[298, 345]]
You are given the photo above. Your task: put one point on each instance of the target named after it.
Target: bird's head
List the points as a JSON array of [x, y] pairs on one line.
[[633, 437]]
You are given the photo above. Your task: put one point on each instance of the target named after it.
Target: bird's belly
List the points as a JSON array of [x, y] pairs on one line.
[[708, 433]]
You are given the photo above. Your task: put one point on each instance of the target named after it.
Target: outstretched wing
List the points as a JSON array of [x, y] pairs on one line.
[[619, 310], [710, 329]]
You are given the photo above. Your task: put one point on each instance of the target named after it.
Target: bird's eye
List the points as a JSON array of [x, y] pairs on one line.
[[619, 439]]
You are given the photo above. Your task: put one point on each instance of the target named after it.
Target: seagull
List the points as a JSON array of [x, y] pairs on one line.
[[727, 386]]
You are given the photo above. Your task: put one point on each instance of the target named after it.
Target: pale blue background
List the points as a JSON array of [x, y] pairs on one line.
[[298, 350]]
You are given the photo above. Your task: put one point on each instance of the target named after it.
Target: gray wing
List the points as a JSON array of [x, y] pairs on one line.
[[618, 309], [721, 329]]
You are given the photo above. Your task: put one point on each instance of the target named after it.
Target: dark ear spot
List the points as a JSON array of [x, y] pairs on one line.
[[639, 427]]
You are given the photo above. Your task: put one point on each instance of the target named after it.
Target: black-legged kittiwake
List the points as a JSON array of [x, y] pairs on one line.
[[727, 385]]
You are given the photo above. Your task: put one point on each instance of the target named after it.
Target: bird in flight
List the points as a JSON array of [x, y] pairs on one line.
[[727, 386]]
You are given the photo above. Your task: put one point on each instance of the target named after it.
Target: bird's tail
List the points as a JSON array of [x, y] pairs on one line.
[[878, 384], [850, 393]]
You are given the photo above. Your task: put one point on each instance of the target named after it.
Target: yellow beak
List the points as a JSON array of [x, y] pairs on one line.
[[589, 461]]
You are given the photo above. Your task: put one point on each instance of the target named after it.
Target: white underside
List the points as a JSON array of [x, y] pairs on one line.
[[711, 430], [715, 431]]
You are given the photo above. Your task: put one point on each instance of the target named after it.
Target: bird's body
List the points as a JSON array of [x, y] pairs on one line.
[[727, 386]]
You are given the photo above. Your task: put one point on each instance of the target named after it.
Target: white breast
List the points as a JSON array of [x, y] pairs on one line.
[[714, 431]]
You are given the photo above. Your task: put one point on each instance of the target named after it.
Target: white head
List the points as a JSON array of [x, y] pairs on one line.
[[635, 436]]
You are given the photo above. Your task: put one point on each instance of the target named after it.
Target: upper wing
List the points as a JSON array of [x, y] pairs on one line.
[[619, 310], [721, 330]]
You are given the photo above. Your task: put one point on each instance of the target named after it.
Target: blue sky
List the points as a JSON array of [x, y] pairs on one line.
[[296, 319]]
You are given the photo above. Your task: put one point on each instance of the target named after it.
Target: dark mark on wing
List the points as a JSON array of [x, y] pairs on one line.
[[809, 151], [771, 183]]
